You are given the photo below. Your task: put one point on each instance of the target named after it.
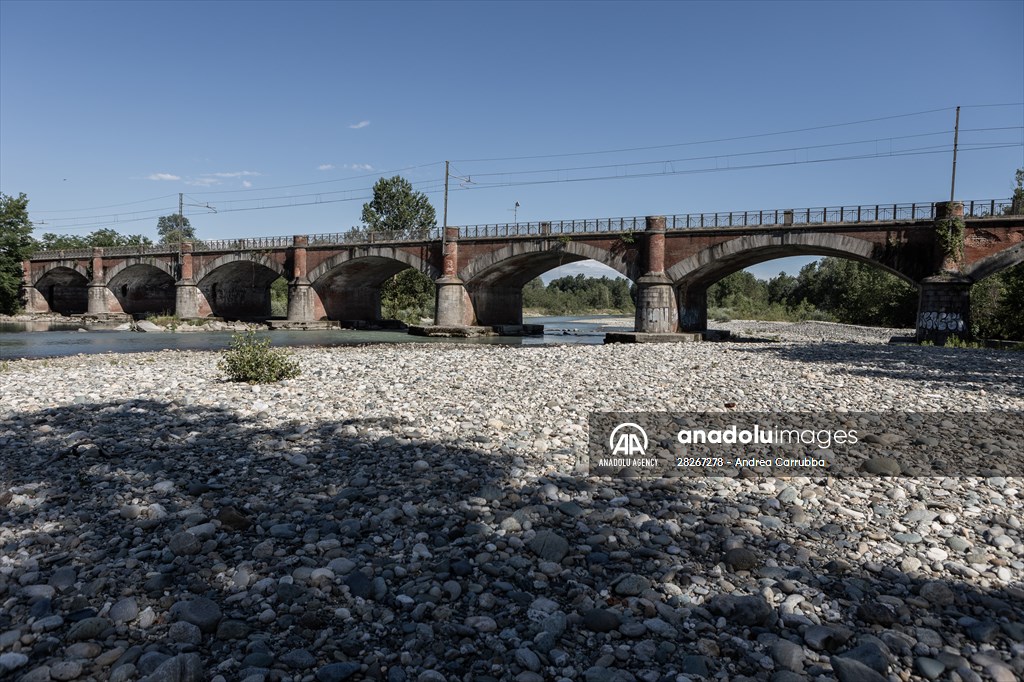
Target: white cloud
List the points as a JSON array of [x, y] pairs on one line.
[[163, 176], [325, 166], [361, 124], [234, 174], [246, 184], [359, 166], [203, 181]]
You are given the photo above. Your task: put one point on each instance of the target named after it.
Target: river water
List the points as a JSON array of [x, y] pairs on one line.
[[55, 339]]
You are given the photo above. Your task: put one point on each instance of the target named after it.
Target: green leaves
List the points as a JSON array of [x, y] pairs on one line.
[[16, 244], [252, 360], [175, 228], [397, 209]]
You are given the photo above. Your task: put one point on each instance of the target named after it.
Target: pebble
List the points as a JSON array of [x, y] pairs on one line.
[[415, 513]]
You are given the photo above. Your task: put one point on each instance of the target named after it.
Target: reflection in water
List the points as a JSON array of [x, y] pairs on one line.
[[31, 340]]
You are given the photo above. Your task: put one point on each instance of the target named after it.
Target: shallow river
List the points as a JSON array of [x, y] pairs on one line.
[[45, 339]]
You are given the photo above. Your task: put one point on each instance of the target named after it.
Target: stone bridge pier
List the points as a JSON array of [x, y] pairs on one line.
[[656, 311]]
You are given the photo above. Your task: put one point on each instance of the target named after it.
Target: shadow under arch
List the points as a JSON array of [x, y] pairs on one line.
[[238, 288], [495, 281], [348, 286], [65, 289], [142, 286]]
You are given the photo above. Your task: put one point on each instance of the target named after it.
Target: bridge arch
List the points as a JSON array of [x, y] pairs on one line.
[[715, 262], [65, 288], [536, 257], [996, 263], [407, 260], [495, 281], [61, 266], [143, 286], [237, 286], [243, 257], [348, 285], [165, 266], [693, 275]]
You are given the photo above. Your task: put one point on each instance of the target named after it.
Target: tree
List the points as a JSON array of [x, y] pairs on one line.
[[402, 213], [175, 228], [1017, 204], [103, 237], [16, 245], [397, 209]]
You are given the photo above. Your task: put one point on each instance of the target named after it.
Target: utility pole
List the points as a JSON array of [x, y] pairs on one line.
[[956, 139], [444, 220]]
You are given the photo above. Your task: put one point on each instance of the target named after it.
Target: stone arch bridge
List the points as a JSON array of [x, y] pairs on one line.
[[480, 270]]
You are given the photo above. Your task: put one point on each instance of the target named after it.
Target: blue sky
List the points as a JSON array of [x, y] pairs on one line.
[[109, 110]]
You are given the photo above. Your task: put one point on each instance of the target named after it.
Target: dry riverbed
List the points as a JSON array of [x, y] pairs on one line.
[[411, 513]]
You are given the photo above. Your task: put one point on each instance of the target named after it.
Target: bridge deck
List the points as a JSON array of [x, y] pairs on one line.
[[784, 218]]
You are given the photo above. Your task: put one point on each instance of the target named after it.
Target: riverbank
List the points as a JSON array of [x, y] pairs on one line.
[[416, 513]]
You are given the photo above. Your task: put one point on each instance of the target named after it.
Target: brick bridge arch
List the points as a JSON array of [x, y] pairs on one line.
[[494, 280], [996, 263], [237, 285], [63, 288], [347, 285], [243, 257], [693, 275], [539, 256], [715, 262], [142, 285], [61, 265]]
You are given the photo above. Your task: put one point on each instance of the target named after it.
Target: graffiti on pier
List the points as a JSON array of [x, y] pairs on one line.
[[945, 322]]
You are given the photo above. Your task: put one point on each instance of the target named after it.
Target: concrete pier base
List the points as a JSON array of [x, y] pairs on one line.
[[186, 299], [301, 301], [944, 309], [652, 337]]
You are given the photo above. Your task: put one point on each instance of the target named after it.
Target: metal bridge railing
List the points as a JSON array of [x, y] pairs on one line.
[[832, 216], [775, 217]]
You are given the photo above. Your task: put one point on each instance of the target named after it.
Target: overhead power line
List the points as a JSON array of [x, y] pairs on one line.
[[711, 141]]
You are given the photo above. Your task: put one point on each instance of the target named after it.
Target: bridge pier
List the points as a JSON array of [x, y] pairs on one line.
[[693, 307], [301, 297], [34, 300], [97, 287], [452, 305], [656, 310], [944, 308], [187, 297]]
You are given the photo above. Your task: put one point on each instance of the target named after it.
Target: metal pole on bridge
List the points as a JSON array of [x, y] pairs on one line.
[[956, 136], [444, 219]]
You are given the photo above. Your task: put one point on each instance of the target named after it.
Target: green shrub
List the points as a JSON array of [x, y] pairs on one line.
[[252, 360]]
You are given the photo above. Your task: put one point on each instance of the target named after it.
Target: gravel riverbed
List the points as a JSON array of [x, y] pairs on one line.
[[412, 513]]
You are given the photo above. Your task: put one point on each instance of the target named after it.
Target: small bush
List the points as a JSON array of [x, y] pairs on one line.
[[252, 360]]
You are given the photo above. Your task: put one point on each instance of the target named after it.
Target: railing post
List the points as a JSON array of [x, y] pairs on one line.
[[992, 209]]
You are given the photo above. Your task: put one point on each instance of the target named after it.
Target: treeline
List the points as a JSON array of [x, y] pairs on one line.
[[579, 295], [841, 290], [833, 289]]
